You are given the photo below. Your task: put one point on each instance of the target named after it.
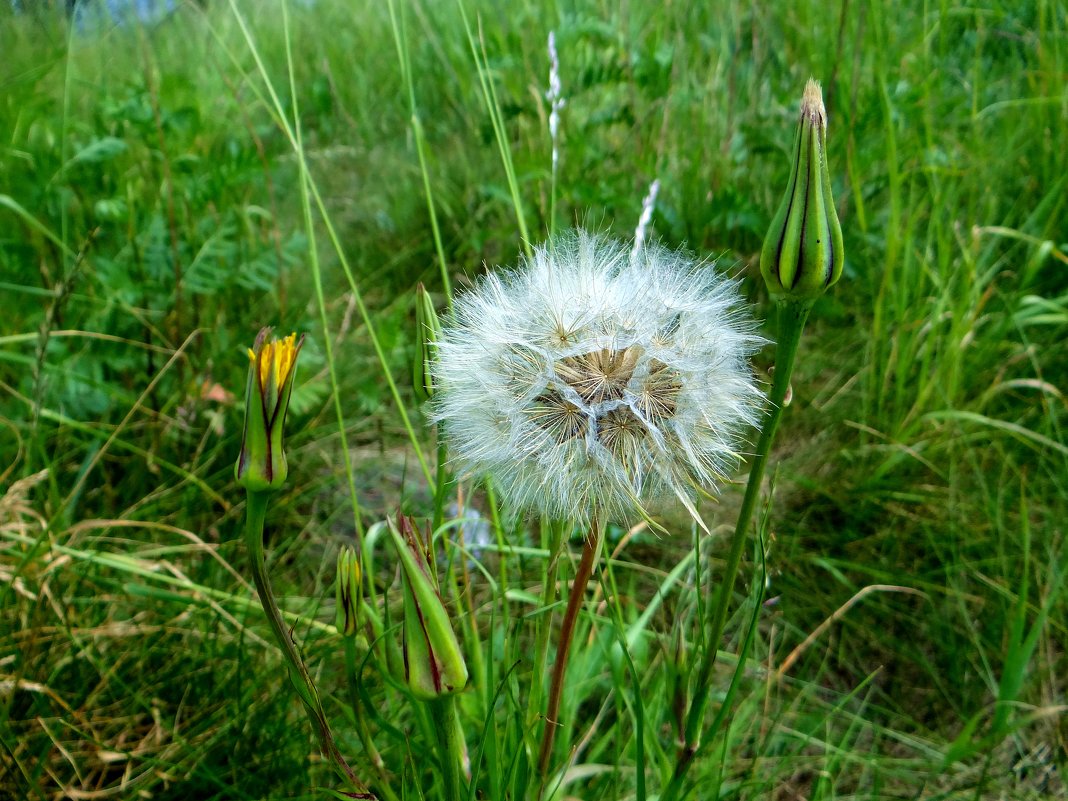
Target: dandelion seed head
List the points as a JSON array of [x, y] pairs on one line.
[[594, 378]]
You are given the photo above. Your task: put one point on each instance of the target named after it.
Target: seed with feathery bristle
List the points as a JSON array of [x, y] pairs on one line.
[[601, 374], [659, 391], [560, 418], [622, 433]]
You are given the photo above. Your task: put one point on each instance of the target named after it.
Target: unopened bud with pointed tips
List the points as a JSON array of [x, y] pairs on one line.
[[803, 252], [428, 332], [433, 660], [347, 586], [262, 467]]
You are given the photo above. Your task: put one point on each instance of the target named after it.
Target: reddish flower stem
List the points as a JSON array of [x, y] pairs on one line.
[[591, 548]]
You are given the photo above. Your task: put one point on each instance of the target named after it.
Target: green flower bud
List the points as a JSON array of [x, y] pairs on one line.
[[433, 661], [262, 467], [803, 252], [347, 587], [428, 332]]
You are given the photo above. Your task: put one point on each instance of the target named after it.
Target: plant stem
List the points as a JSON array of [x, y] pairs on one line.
[[442, 485], [256, 512], [552, 536], [792, 316], [590, 549], [362, 729], [443, 712]]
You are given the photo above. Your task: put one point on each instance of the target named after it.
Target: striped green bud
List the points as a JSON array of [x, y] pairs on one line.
[[428, 332], [803, 252], [347, 588], [433, 660]]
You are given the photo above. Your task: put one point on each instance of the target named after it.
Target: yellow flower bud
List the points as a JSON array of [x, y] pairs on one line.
[[262, 467]]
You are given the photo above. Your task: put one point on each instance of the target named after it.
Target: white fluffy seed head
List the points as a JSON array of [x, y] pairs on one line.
[[596, 380]]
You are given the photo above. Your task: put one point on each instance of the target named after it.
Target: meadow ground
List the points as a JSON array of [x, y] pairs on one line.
[[165, 190]]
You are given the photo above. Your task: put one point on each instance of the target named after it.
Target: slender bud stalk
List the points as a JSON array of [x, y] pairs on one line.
[[450, 744], [298, 671], [678, 675], [262, 470], [590, 551], [802, 257]]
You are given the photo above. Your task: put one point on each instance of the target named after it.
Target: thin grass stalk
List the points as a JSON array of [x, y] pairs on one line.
[[552, 537], [442, 485], [637, 706], [503, 547], [493, 108], [313, 258], [397, 24], [362, 728], [461, 590], [293, 133]]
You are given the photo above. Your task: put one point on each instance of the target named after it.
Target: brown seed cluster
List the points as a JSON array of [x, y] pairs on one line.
[[562, 419], [599, 375], [606, 375], [658, 395]]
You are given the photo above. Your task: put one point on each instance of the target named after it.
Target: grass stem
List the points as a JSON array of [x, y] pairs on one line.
[[362, 729]]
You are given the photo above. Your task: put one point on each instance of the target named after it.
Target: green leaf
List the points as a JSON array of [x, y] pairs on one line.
[[104, 149]]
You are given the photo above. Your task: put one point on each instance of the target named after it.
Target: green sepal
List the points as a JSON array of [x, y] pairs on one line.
[[249, 470]]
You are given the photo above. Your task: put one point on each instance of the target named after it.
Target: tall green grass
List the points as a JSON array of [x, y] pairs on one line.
[[166, 191]]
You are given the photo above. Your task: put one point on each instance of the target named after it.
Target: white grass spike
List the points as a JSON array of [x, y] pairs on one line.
[[648, 205], [555, 97]]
